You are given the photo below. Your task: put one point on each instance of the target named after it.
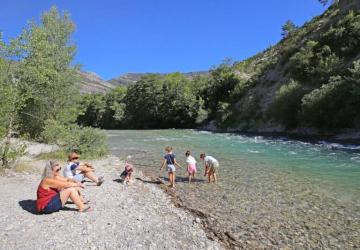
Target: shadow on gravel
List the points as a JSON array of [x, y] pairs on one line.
[[151, 182], [183, 179], [69, 209], [28, 205], [118, 180]]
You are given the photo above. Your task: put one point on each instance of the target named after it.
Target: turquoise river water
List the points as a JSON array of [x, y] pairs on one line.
[[272, 192]]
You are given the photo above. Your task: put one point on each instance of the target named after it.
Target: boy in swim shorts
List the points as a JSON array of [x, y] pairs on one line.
[[211, 166]]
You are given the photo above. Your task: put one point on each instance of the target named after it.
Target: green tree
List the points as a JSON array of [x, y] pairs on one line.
[[287, 104], [288, 28], [11, 101], [219, 88], [103, 110], [169, 101], [46, 75]]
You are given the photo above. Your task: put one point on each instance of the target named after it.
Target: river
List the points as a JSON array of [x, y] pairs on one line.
[[271, 193]]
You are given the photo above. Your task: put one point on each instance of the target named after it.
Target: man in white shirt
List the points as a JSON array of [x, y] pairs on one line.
[[78, 171]]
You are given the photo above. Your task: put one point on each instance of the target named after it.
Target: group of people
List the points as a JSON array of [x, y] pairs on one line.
[[55, 190], [211, 165]]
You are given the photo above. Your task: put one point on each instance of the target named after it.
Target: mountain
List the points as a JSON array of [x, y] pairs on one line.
[[131, 78], [308, 82], [92, 83]]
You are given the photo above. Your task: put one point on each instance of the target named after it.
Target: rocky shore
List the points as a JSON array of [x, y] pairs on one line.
[[137, 216]]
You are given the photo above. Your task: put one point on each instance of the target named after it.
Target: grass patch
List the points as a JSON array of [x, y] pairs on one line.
[[21, 167], [59, 155], [62, 155]]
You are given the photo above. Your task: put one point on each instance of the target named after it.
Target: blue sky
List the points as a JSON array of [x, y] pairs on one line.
[[118, 36]]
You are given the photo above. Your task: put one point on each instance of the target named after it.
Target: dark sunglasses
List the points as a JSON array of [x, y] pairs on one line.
[[57, 170], [74, 158]]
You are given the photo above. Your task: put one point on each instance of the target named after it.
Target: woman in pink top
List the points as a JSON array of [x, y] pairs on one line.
[[54, 190]]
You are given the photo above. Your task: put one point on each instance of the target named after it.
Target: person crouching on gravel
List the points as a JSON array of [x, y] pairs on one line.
[[78, 171], [170, 162], [211, 166], [129, 168], [53, 191]]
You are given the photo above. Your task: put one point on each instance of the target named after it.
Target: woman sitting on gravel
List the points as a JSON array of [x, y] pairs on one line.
[[78, 171], [53, 193]]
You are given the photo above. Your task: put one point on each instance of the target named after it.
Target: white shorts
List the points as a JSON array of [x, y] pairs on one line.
[[171, 168], [79, 177]]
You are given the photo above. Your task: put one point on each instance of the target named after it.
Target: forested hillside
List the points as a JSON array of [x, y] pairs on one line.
[[309, 81]]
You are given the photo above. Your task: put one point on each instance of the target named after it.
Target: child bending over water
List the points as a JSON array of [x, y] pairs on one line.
[[170, 162], [191, 165], [211, 166]]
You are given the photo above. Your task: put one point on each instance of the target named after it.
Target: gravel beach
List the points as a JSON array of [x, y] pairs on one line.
[[137, 216]]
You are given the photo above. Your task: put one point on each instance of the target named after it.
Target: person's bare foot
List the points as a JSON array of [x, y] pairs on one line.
[[100, 181], [85, 210]]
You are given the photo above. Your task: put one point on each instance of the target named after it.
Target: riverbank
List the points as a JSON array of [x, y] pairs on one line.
[[271, 193], [137, 216]]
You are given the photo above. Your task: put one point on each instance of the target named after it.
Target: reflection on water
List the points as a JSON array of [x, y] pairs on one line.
[[274, 192]]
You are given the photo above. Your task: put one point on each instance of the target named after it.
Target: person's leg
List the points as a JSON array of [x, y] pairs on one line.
[[73, 194], [91, 176], [214, 175], [173, 179], [189, 178], [170, 178]]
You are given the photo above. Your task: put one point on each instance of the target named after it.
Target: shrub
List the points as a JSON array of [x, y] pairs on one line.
[[10, 150], [287, 103], [326, 107], [90, 142]]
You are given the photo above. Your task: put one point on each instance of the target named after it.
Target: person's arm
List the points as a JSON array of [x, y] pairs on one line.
[[177, 164], [54, 183], [89, 166], [84, 168], [61, 178], [206, 168], [164, 162]]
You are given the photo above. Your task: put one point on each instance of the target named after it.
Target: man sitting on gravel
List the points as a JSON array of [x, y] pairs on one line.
[[78, 171]]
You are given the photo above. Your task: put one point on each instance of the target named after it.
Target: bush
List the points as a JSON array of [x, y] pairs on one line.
[[10, 150], [344, 36], [327, 107], [287, 103], [90, 142]]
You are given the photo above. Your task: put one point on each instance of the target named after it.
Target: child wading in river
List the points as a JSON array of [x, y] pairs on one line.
[[211, 166], [170, 162], [191, 165]]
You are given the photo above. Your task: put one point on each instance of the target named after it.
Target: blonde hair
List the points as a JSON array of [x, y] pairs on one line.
[[168, 149], [128, 159], [48, 169]]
